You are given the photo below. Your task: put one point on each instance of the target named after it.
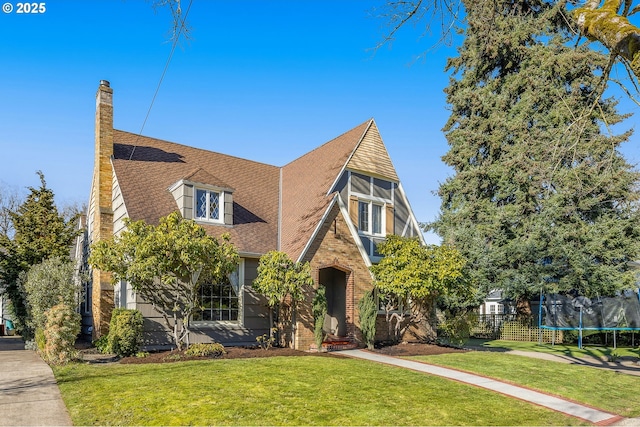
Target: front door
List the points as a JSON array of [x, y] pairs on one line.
[[335, 282]]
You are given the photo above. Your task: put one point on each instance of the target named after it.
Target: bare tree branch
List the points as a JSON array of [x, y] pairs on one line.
[[399, 13], [179, 26], [10, 200]]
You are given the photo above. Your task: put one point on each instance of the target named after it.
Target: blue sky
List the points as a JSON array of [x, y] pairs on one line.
[[260, 79]]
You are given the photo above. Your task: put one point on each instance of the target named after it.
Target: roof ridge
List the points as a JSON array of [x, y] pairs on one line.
[[330, 141]]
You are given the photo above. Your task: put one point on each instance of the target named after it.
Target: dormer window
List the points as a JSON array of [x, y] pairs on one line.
[[207, 200], [208, 205]]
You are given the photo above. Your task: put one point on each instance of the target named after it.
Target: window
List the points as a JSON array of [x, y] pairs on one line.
[[500, 308], [492, 309], [208, 205], [363, 216], [376, 220], [370, 217], [218, 302]]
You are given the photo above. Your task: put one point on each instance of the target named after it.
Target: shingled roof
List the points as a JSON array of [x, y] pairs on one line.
[[145, 168], [306, 183]]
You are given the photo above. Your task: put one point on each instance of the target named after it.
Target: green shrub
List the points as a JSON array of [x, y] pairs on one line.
[[173, 357], [457, 326], [205, 350], [368, 312], [47, 284], [265, 341], [61, 330], [319, 305], [125, 332], [40, 340], [102, 344]]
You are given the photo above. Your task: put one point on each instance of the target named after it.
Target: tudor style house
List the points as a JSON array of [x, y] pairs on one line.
[[329, 207]]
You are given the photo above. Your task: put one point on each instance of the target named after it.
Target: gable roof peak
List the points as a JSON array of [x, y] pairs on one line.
[[356, 131], [371, 157]]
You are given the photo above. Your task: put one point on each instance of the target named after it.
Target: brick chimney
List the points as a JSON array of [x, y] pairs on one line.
[[101, 201]]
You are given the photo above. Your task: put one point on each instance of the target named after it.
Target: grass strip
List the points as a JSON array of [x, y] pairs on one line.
[[603, 389], [283, 391]]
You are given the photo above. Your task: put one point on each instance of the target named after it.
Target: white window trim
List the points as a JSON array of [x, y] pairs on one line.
[[383, 219], [370, 198], [220, 219], [228, 323]]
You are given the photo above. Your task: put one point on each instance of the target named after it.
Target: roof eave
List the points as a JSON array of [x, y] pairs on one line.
[[352, 229]]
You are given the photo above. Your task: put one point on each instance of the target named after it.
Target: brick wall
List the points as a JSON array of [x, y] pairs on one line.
[[102, 290], [334, 247]]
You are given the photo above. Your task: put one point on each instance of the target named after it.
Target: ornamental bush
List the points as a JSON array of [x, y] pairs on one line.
[[206, 350], [368, 312], [457, 326], [319, 305], [60, 333], [46, 284], [125, 332]]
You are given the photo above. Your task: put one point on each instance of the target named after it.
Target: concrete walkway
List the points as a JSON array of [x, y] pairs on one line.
[[587, 413], [29, 395], [621, 366]]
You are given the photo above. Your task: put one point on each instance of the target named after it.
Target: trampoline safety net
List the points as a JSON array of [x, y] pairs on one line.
[[563, 312]]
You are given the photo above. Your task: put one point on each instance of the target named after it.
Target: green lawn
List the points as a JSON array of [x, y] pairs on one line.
[[607, 390], [283, 391], [563, 349]]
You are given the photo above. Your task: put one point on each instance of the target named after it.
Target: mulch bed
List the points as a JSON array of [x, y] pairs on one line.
[[231, 353], [417, 349], [406, 349]]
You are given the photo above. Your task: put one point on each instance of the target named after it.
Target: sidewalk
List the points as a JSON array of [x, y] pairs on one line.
[[622, 366], [586, 413], [29, 395]]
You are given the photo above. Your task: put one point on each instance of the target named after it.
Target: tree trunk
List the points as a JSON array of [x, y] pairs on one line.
[[523, 307], [176, 336]]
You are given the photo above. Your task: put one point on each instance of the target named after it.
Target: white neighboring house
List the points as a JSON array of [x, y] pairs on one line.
[[495, 303]]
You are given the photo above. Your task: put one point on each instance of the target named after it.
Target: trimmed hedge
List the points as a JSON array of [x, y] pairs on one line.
[[125, 332]]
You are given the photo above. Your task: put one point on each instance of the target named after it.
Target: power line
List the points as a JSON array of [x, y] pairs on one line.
[[166, 66]]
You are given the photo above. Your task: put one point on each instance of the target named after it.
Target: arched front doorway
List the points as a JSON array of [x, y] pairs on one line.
[[335, 282]]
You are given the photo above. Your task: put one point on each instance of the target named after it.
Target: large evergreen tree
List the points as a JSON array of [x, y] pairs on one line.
[[541, 197], [40, 232]]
